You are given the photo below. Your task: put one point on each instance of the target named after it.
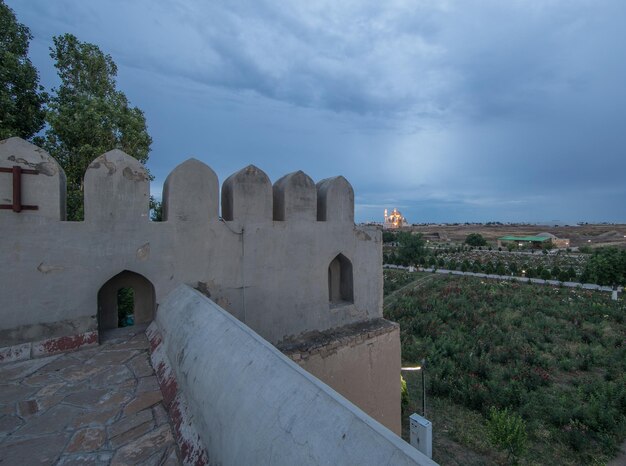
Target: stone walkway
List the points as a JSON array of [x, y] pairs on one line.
[[97, 406]]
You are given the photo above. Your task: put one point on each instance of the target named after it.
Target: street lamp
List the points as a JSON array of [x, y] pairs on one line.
[[421, 369]]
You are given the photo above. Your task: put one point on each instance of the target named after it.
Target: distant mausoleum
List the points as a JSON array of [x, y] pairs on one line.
[[395, 220]]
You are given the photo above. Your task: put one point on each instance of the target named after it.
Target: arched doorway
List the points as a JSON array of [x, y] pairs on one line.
[[340, 281], [125, 289]]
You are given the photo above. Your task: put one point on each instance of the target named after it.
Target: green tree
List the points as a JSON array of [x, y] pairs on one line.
[[572, 275], [475, 239], [404, 395], [465, 265], [22, 99], [507, 431], [411, 248], [607, 266], [389, 237], [89, 116], [156, 211]]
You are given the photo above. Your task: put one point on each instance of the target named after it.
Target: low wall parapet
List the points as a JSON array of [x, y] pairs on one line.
[[252, 405]]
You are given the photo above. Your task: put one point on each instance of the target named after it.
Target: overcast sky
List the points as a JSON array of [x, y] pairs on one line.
[[452, 111]]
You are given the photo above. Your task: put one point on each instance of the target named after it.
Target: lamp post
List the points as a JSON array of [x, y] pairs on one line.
[[424, 387], [421, 369]]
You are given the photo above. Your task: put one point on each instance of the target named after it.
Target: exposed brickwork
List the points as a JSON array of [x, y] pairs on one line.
[[48, 347]]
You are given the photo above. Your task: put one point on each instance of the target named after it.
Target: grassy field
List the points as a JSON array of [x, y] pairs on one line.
[[579, 235], [554, 356]]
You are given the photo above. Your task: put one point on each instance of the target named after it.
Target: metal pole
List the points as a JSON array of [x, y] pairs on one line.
[[17, 188], [423, 388]]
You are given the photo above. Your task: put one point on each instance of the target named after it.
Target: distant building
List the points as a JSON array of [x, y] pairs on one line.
[[534, 241], [395, 220]]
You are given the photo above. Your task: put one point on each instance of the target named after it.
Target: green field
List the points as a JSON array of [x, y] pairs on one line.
[[555, 356]]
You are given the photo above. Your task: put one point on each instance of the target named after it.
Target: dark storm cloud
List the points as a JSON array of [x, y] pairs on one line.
[[458, 110]]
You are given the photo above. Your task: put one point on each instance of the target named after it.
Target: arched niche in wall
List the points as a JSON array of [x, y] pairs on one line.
[[142, 294], [340, 282]]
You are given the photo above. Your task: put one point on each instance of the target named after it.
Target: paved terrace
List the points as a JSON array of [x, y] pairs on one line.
[[96, 406]]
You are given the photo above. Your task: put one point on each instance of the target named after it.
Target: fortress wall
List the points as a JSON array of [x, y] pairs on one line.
[[268, 262], [267, 265], [265, 409]]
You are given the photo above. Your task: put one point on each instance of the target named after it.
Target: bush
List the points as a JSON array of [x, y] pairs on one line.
[[507, 431], [389, 237], [404, 394], [475, 239], [550, 355]]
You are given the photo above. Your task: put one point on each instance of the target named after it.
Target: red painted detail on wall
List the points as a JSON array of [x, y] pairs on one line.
[[70, 343], [155, 340], [64, 344], [169, 389], [191, 448]]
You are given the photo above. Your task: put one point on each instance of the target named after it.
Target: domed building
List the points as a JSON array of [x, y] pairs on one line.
[[395, 220]]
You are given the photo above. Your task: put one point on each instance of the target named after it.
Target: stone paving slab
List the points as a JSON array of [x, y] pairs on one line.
[[99, 406]]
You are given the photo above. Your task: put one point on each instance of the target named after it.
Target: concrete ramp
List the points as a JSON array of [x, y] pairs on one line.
[[249, 404]]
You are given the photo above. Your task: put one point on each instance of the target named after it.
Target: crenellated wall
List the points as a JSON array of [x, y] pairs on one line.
[[267, 262], [285, 259]]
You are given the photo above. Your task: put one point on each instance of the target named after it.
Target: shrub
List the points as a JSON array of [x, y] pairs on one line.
[[507, 431], [475, 239], [404, 394]]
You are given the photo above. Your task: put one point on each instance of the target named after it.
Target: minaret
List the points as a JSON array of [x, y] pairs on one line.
[[385, 215]]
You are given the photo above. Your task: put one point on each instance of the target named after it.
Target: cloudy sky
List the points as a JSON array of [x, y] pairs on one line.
[[449, 110]]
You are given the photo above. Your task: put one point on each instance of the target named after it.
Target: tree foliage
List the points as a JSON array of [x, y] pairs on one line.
[[411, 247], [22, 99], [475, 239], [156, 210], [607, 266], [404, 395], [388, 237], [507, 431], [88, 116]]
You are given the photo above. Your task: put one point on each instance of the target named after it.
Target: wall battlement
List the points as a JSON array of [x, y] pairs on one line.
[[116, 188]]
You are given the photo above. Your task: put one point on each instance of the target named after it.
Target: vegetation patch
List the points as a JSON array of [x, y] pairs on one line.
[[552, 359]]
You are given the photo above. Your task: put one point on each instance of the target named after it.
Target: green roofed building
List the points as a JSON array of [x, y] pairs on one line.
[[537, 241]]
